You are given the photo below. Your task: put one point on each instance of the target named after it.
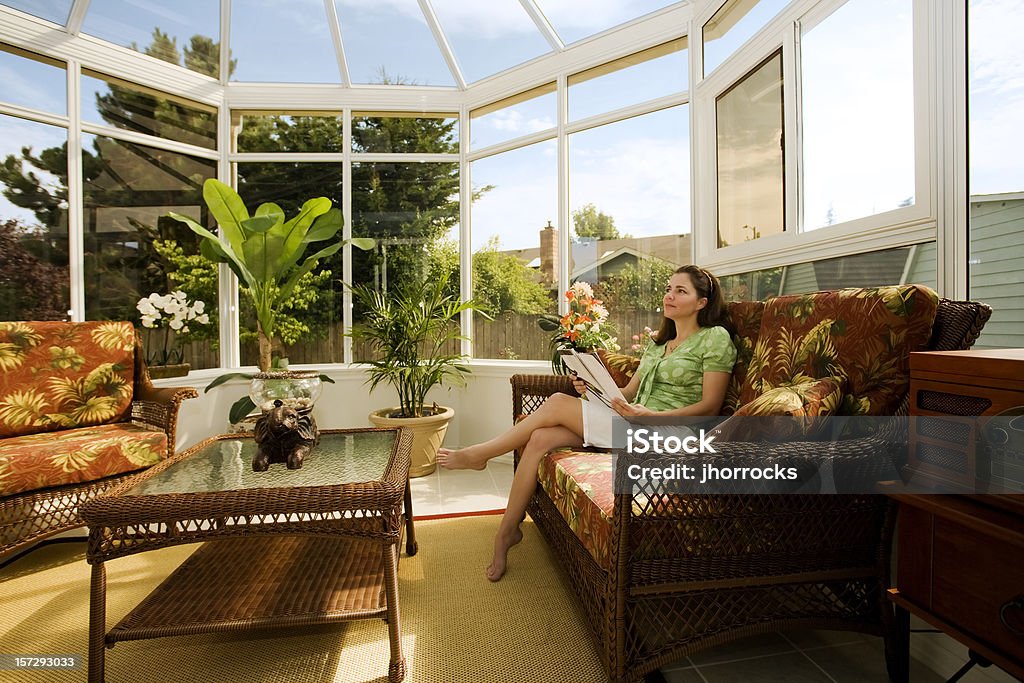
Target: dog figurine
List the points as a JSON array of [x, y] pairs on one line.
[[286, 435]]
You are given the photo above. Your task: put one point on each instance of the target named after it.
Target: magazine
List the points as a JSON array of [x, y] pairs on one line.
[[594, 374]]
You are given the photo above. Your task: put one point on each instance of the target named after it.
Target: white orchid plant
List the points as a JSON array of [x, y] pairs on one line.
[[176, 313]]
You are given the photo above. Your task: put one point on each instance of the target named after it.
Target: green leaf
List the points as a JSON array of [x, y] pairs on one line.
[[240, 408], [227, 377], [223, 250], [228, 208], [260, 223], [364, 243], [325, 227], [326, 378], [307, 266]]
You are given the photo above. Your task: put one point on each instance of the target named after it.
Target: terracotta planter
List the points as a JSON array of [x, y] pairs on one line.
[[164, 371], [427, 434]]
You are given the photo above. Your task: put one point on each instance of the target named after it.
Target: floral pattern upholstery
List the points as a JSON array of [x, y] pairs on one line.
[[36, 461], [620, 366], [804, 403], [743, 319], [56, 375], [580, 485], [862, 335]]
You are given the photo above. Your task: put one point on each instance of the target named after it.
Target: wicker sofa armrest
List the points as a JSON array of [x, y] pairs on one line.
[[530, 391]]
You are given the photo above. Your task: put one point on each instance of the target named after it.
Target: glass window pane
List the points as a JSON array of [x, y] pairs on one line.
[[31, 81], [390, 43], [56, 11], [515, 250], [132, 107], [577, 19], [408, 133], [34, 276], [902, 265], [489, 37], [858, 112], [281, 132], [412, 210], [995, 83], [186, 32], [751, 189], [282, 42], [733, 24], [629, 198], [512, 117], [309, 324], [132, 249], [659, 71]]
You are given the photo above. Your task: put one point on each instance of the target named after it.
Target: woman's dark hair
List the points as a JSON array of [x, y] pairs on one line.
[[707, 287]]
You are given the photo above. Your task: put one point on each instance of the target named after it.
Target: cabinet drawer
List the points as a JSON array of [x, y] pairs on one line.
[[975, 580]]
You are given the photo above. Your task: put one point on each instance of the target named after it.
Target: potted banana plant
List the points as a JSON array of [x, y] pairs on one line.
[[268, 255]]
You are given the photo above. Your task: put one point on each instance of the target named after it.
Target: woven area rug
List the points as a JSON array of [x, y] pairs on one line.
[[456, 625]]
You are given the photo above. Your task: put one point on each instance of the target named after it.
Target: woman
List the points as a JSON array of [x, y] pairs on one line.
[[684, 372]]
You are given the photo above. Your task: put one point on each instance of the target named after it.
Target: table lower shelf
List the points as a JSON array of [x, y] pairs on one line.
[[241, 584]]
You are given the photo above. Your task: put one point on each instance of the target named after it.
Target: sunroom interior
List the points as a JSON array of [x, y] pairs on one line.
[[512, 148]]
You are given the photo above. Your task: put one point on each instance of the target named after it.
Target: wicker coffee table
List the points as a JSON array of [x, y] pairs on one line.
[[284, 547]]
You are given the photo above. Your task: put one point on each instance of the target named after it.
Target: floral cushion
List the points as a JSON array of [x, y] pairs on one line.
[[743, 319], [620, 366], [58, 375], [863, 335], [73, 456], [580, 485], [804, 402]]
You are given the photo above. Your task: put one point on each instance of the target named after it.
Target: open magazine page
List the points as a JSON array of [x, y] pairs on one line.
[[592, 371]]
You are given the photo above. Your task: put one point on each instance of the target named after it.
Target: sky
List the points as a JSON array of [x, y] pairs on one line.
[[858, 154]]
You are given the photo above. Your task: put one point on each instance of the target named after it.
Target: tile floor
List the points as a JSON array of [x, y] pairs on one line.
[[802, 657]]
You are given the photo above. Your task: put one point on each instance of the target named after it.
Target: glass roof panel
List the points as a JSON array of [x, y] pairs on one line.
[[56, 11], [731, 26], [390, 42], [578, 19], [645, 75], [31, 81], [186, 32], [272, 41], [489, 37]]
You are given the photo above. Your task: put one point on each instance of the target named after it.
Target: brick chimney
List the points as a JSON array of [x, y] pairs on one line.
[[549, 253]]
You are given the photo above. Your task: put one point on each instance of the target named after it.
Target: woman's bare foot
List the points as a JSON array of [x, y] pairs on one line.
[[460, 459], [502, 543]]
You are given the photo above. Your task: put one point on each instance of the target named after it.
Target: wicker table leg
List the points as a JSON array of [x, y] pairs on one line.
[[396, 668], [97, 622], [411, 546]]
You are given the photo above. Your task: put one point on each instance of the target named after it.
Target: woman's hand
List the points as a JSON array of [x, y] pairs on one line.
[[579, 385], [630, 409]]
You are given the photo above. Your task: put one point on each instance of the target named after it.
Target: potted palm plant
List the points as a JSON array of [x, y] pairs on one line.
[[268, 255], [411, 333]]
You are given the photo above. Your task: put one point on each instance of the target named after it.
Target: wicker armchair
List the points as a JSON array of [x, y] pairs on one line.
[[30, 516], [702, 570]]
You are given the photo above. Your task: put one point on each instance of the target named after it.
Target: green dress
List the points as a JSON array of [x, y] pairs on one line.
[[677, 380]]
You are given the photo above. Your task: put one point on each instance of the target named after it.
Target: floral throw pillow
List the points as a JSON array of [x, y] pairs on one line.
[[620, 366], [801, 403]]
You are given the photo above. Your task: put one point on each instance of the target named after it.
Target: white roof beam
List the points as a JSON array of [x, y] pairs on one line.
[[339, 44], [543, 25], [77, 16], [442, 43]]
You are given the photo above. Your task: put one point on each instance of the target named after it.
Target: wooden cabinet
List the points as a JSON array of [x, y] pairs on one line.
[[956, 387], [960, 567], [960, 558]]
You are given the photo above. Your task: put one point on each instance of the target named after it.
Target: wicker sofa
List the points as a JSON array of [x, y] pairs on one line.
[[661, 577], [78, 414]]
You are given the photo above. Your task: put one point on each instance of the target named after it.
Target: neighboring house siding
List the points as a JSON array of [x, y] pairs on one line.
[[996, 275], [800, 279], [923, 266]]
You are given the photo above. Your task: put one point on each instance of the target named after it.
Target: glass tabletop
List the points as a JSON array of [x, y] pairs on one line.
[[226, 465]]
